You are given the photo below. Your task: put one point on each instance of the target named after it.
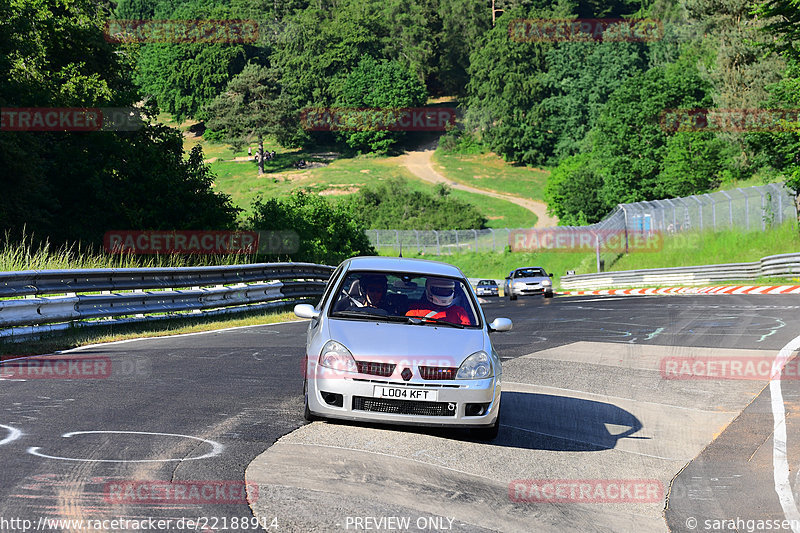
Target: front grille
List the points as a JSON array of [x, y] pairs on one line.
[[375, 369], [437, 372], [403, 407]]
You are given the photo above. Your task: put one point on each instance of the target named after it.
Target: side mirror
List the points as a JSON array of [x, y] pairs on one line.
[[306, 311], [550, 275], [500, 324]]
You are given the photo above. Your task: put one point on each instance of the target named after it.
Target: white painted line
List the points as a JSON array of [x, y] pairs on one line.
[[216, 448], [780, 463], [13, 434]]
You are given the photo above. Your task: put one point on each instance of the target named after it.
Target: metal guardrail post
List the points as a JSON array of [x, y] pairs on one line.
[[416, 234], [438, 246], [494, 240], [476, 239]]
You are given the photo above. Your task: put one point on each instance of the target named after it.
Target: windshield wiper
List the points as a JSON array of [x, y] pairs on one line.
[[428, 320]]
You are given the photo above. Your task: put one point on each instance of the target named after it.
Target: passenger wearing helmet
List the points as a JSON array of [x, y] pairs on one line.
[[438, 303]]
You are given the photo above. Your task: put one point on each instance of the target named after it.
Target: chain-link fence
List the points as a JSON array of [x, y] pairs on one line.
[[750, 208]]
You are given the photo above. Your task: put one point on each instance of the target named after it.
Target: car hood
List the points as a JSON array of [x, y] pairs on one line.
[[422, 344]]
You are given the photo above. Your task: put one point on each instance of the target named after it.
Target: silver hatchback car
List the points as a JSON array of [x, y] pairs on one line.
[[402, 341], [528, 280]]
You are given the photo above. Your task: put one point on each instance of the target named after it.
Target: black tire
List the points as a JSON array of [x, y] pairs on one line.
[[489, 433], [511, 295], [548, 294], [307, 414]]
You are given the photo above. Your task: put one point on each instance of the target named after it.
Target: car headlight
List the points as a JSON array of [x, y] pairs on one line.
[[547, 282], [476, 366], [335, 355], [519, 284]]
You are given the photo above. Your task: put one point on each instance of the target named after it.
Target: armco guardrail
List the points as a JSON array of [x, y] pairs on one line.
[[772, 266], [143, 294]]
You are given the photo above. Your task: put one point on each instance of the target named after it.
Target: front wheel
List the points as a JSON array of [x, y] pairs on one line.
[[548, 294], [511, 295]]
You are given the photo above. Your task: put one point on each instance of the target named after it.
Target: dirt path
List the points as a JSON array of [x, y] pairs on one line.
[[418, 162]]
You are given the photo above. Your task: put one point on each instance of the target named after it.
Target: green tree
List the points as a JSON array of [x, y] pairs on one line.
[[384, 85], [75, 186], [629, 140], [578, 81], [694, 162], [573, 191], [783, 149], [253, 105], [184, 77], [328, 233], [505, 91]]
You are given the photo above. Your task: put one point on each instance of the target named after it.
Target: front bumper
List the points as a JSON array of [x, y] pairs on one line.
[[357, 398], [528, 289]]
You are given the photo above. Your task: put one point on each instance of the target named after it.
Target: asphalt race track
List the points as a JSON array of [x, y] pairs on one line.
[[595, 397]]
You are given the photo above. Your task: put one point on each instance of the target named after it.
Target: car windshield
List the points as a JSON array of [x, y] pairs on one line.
[[486, 282], [530, 273], [404, 297]]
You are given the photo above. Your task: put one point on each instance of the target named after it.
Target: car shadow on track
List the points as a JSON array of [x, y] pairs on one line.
[[562, 423], [543, 422]]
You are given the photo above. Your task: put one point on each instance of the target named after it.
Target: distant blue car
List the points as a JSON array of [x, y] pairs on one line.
[[487, 287]]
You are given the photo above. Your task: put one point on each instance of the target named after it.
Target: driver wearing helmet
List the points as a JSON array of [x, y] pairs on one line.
[[438, 303], [373, 291]]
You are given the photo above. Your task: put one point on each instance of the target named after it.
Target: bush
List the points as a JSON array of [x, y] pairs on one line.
[[393, 205], [328, 233]]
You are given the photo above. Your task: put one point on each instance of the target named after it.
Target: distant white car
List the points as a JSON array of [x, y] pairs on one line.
[[402, 341], [526, 281]]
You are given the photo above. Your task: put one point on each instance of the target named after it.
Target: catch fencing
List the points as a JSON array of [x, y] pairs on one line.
[[750, 209], [90, 297]]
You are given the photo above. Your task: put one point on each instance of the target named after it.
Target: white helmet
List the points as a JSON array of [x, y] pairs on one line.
[[440, 291]]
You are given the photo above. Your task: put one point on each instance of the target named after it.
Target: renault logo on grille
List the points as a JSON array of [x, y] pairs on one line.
[[406, 374]]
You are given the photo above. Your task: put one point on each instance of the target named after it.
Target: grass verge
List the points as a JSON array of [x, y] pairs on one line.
[[490, 172]]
